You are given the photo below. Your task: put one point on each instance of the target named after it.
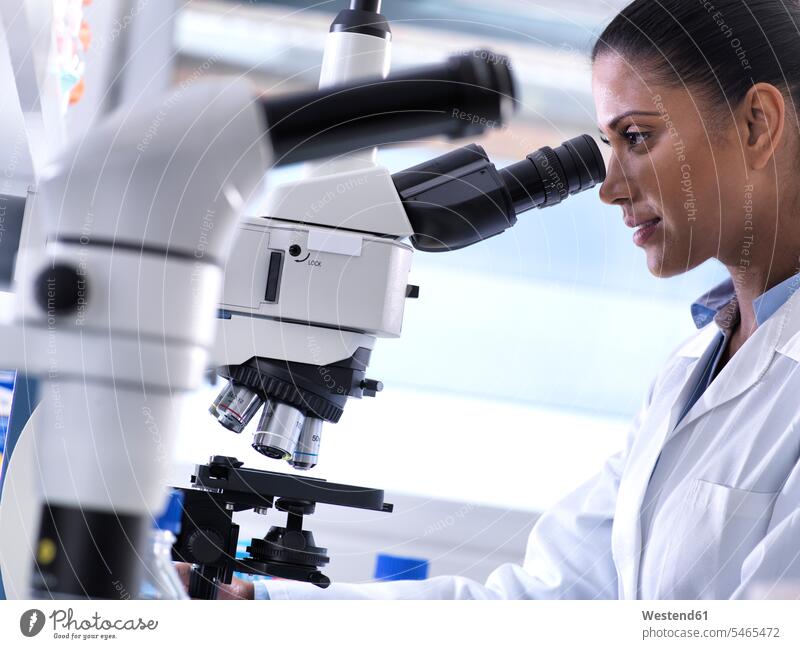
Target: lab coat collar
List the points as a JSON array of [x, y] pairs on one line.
[[768, 303], [707, 306]]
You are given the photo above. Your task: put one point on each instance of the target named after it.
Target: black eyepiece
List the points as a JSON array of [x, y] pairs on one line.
[[460, 198], [547, 176]]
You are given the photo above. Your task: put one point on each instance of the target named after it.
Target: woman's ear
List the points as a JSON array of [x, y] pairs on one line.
[[764, 114]]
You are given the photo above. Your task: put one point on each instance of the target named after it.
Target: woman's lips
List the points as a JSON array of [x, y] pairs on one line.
[[645, 230]]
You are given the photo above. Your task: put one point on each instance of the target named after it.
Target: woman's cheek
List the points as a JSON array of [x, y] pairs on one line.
[[668, 170]]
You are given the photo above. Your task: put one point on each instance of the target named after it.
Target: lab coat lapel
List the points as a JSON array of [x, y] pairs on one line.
[[747, 366], [673, 391], [789, 340]]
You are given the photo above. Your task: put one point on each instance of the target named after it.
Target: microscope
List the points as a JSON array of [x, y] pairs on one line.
[[309, 289], [117, 315]]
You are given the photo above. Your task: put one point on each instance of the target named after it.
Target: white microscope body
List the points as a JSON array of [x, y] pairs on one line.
[[315, 282]]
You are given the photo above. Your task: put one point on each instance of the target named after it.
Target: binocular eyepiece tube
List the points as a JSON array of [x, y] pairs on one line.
[[460, 198]]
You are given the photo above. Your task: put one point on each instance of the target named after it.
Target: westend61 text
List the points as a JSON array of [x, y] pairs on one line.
[[691, 615]]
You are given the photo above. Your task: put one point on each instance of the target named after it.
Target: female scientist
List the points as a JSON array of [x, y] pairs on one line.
[[698, 103]]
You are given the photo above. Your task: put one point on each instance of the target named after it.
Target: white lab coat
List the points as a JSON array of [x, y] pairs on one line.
[[729, 520]]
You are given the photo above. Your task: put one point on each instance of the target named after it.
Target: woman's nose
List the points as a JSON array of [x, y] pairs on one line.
[[614, 189]]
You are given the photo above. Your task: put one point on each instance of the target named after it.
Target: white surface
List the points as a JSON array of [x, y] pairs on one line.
[[7, 302], [338, 243], [172, 174], [363, 199], [329, 290], [129, 293], [347, 58], [20, 501], [237, 338], [16, 155]]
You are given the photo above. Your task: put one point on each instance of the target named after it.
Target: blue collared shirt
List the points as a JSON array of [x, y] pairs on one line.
[[720, 305]]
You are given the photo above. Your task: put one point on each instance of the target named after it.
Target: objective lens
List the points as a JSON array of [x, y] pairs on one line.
[[223, 399], [235, 406], [278, 430], [307, 450]]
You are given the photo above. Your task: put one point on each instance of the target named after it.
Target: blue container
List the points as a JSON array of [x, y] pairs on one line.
[[6, 392], [170, 518], [395, 568]]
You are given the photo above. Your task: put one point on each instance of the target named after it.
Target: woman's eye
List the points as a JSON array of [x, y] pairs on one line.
[[635, 138]]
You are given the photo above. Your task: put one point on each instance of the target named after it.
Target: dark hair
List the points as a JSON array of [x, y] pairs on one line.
[[717, 48]]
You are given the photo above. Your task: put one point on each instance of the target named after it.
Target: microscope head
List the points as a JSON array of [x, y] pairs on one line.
[[311, 297]]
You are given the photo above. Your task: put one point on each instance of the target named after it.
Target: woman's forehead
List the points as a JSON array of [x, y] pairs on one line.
[[620, 87]]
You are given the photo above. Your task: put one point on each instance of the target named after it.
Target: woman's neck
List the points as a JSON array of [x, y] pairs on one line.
[[752, 282]]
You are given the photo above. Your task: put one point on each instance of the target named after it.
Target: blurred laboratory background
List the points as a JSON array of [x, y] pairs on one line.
[[525, 358]]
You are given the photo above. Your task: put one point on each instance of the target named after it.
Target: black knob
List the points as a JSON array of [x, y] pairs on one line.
[[366, 5], [371, 387], [318, 579], [412, 291], [225, 460], [298, 507], [205, 546], [294, 540], [60, 289]]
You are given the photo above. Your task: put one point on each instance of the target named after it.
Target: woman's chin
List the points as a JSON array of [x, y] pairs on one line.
[[662, 267]]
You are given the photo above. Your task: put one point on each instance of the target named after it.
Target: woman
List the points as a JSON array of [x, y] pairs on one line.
[[697, 102]]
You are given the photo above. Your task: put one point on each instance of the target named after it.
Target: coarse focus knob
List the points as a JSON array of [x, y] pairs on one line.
[[205, 546], [60, 289]]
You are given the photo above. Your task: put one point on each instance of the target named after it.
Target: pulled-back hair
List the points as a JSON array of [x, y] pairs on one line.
[[717, 48]]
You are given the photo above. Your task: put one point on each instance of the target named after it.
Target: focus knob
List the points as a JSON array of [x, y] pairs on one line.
[[205, 546], [60, 289], [371, 387]]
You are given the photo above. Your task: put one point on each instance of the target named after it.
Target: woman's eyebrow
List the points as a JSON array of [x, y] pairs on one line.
[[613, 123]]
